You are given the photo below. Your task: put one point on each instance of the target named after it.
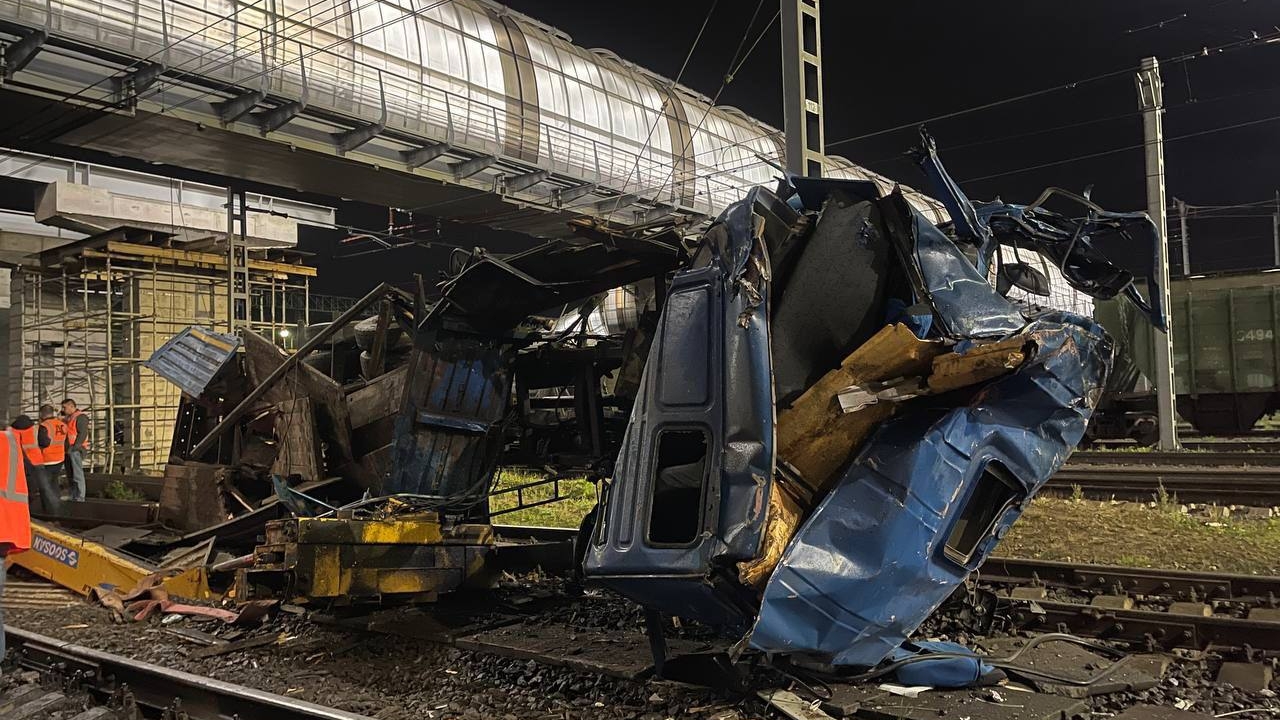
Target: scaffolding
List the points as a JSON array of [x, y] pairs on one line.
[[87, 316]]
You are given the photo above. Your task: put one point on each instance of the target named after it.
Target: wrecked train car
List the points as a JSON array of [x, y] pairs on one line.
[[841, 415]]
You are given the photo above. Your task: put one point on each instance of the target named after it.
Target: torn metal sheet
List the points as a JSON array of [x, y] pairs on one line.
[[1070, 241], [193, 357], [449, 432]]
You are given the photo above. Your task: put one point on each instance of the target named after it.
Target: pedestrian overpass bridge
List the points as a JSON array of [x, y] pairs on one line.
[[461, 109]]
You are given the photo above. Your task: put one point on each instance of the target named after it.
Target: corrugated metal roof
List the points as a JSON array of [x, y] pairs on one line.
[[193, 357]]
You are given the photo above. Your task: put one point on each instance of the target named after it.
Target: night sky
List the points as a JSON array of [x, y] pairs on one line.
[[890, 64], [895, 63]]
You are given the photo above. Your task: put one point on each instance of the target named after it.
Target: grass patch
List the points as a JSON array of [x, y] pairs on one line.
[[1142, 535], [117, 490], [577, 498]]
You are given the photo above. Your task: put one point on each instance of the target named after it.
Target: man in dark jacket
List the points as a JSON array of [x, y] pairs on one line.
[[77, 445], [42, 490]]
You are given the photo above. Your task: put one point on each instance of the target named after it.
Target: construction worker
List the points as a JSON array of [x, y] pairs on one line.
[[55, 455], [15, 517], [77, 446], [33, 439]]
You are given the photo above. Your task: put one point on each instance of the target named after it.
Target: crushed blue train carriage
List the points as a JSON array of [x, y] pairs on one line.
[[931, 492], [880, 552]]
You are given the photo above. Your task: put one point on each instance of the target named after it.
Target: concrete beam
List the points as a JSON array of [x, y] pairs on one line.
[[20, 52], [423, 155], [21, 248], [87, 209], [516, 183], [233, 109], [467, 168], [351, 139], [569, 194]]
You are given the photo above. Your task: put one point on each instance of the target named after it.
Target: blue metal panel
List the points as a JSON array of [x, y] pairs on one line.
[[716, 319], [967, 305], [192, 358], [449, 433], [870, 563]]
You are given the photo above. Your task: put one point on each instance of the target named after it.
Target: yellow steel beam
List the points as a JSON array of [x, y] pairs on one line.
[[81, 565], [215, 260]]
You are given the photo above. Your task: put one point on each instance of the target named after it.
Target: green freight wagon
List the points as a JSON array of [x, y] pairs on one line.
[[1226, 356]]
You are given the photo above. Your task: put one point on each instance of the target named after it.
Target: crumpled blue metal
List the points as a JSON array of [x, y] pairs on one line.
[[955, 667], [708, 370], [1068, 241], [961, 298], [870, 563]]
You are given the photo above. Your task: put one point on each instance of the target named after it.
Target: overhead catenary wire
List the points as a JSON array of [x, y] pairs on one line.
[[661, 110], [1254, 41], [735, 64], [1071, 126], [1127, 148]]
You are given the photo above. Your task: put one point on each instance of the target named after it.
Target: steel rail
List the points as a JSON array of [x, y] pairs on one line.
[[1181, 585], [1209, 457], [201, 698], [1155, 629], [1263, 443], [1257, 486]]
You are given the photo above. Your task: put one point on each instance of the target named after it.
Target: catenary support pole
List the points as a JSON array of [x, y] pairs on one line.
[[802, 86], [1184, 239], [1275, 230], [1150, 98]]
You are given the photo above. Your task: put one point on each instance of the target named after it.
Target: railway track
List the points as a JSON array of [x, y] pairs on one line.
[[1159, 609], [150, 689], [1192, 458], [1253, 486], [1261, 443]]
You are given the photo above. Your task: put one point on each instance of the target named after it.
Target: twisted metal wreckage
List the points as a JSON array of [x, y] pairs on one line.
[[829, 419]]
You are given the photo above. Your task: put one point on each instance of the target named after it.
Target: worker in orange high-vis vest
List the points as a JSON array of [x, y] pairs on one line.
[[33, 439], [55, 454], [15, 518], [77, 446]]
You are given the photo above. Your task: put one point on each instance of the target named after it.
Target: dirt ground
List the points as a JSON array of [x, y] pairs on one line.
[[1142, 535]]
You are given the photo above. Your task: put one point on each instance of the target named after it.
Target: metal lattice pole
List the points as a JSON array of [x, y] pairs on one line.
[[1150, 96], [802, 86]]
